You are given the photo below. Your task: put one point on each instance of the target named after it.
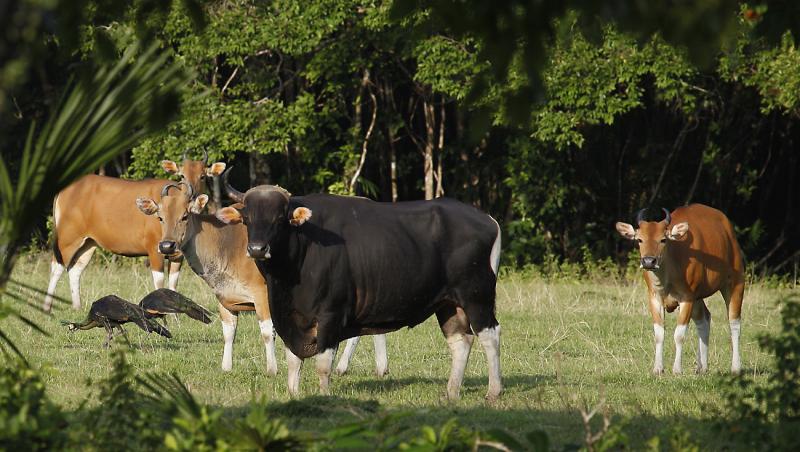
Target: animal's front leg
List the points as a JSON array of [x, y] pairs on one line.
[[658, 332], [294, 364], [324, 366], [228, 319], [680, 333]]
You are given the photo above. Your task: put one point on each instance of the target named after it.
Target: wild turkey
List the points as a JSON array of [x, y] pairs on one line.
[[111, 312], [161, 302]]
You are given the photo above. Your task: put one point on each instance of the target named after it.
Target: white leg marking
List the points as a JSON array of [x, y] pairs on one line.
[[158, 279], [324, 367], [679, 336], [381, 361], [736, 359], [268, 335], [703, 332], [658, 334], [347, 355], [174, 273], [494, 257], [56, 270], [228, 335], [75, 276], [294, 364], [460, 345], [490, 341]]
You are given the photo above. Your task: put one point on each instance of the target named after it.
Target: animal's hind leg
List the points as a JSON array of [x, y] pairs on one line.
[[455, 326], [482, 320], [79, 263], [733, 295], [381, 361], [702, 321], [229, 319], [56, 270], [324, 365], [347, 354]]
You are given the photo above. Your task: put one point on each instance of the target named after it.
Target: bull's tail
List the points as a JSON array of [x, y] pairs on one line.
[[494, 257], [56, 250]]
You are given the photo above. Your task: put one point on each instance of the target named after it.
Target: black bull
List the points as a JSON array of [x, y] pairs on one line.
[[338, 267]]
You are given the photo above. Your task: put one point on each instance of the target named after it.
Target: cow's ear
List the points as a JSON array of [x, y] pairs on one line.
[[199, 204], [300, 216], [170, 166], [215, 169], [147, 206], [678, 231], [229, 215], [626, 230]]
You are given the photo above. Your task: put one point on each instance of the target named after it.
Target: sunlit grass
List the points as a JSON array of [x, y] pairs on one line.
[[562, 341]]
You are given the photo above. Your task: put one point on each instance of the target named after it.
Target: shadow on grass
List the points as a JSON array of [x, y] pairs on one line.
[[390, 384]]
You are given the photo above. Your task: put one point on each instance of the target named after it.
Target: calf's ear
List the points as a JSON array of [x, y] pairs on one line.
[[215, 169], [199, 204], [300, 216], [229, 215], [626, 230], [170, 166], [678, 231], [147, 206]]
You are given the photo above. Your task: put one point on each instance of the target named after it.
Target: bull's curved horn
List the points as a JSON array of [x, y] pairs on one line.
[[667, 216], [640, 217], [234, 194], [205, 157], [189, 189], [165, 190]]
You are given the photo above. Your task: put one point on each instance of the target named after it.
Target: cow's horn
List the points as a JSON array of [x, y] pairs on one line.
[[234, 194], [165, 190], [189, 189], [640, 216], [667, 216], [205, 157]]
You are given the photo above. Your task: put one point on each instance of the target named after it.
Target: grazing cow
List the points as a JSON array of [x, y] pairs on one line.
[[101, 211], [688, 256], [358, 267], [217, 253]]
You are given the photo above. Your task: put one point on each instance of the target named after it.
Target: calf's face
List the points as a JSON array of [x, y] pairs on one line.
[[652, 238], [173, 213]]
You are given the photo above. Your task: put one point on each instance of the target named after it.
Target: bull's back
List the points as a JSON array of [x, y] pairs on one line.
[[710, 252], [104, 209]]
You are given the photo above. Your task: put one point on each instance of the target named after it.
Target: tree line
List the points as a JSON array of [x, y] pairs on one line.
[[350, 97]]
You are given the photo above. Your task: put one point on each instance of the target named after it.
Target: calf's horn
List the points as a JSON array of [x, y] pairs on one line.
[[165, 190], [667, 216], [234, 194], [189, 189], [640, 217]]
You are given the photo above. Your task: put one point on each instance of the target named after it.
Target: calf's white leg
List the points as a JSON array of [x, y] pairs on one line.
[[381, 360], [347, 355], [268, 335], [229, 320], [680, 334], [490, 341], [293, 364], [324, 366], [75, 272], [460, 346], [56, 270], [736, 359]]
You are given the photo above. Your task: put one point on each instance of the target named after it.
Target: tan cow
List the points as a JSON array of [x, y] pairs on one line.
[[688, 256], [217, 253], [101, 211]]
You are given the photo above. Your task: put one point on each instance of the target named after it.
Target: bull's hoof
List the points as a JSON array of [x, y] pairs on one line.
[[272, 371], [658, 371], [677, 370], [380, 373], [340, 370], [700, 370]]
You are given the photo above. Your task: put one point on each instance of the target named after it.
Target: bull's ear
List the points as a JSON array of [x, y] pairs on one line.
[[678, 231], [147, 206], [215, 169], [300, 216], [626, 230], [170, 166], [229, 215], [199, 204]]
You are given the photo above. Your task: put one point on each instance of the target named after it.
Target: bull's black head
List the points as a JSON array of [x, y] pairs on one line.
[[265, 212], [652, 236]]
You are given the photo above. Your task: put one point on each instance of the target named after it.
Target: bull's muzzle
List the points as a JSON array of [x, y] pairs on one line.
[[258, 250], [649, 262], [167, 247]]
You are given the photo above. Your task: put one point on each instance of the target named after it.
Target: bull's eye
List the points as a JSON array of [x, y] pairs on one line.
[[160, 220], [664, 240], [184, 217], [639, 240]]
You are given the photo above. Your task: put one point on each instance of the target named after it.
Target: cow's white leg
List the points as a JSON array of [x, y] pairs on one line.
[[158, 279], [324, 367], [75, 272], [229, 323], [347, 355], [381, 361], [460, 345], [702, 322], [658, 334], [490, 341], [684, 316], [268, 335], [736, 359], [174, 273], [293, 364], [56, 270]]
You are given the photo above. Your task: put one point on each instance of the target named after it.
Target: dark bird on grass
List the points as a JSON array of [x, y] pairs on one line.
[[111, 312], [161, 302]]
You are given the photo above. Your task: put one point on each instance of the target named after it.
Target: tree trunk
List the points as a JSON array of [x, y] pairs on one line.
[[430, 126], [439, 164]]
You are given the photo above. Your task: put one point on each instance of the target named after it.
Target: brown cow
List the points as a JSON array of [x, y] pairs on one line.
[[217, 253], [101, 211], [688, 256]]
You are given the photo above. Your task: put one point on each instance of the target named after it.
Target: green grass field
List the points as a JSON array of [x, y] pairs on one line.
[[562, 343]]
